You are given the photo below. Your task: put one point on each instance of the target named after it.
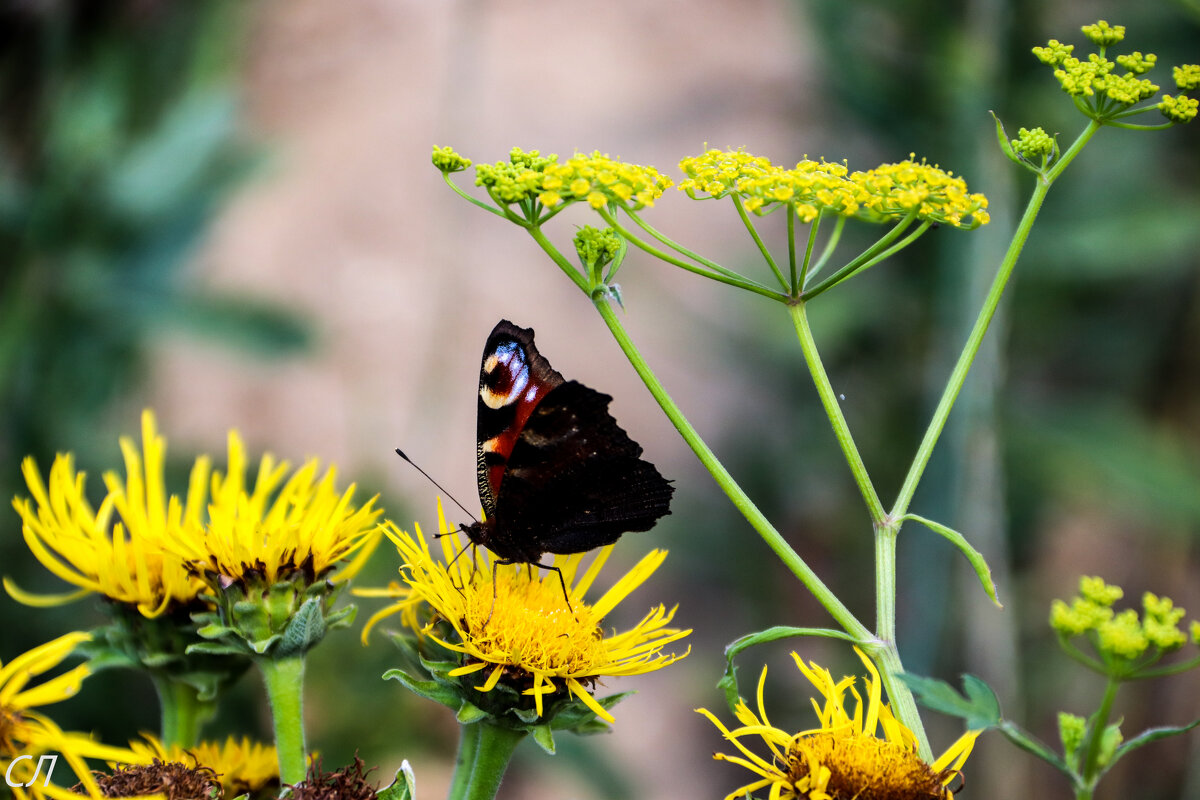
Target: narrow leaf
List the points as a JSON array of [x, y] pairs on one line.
[[982, 570]]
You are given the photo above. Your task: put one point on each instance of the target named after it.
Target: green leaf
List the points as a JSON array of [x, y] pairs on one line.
[[1006, 143], [1146, 737], [979, 707], [728, 682], [982, 570], [404, 786], [1027, 742]]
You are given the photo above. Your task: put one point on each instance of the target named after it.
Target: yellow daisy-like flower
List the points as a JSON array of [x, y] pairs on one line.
[[283, 527], [26, 734], [867, 754], [241, 765], [118, 550], [520, 629]]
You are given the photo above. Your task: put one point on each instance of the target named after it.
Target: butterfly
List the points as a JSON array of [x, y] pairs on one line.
[[556, 473]]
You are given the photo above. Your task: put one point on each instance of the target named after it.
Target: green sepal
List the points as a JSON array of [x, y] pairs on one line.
[[978, 707], [163, 647], [728, 682], [468, 713], [306, 628], [404, 785], [430, 690], [544, 738]]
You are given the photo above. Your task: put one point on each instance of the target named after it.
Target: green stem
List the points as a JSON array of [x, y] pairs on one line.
[[886, 654], [493, 750], [975, 339], [1091, 759], [671, 243], [464, 761], [837, 420], [739, 498], [183, 712], [284, 680], [762, 246], [722, 275]]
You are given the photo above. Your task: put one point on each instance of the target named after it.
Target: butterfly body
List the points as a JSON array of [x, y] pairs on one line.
[[556, 473]]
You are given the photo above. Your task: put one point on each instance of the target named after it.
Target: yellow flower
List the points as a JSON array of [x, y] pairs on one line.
[[241, 764], [283, 527], [867, 754], [116, 551], [517, 628], [925, 191], [598, 180], [27, 732]]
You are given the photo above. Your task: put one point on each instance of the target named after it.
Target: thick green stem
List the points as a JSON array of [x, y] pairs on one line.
[[837, 420], [740, 500], [493, 750], [284, 680], [183, 712], [464, 761]]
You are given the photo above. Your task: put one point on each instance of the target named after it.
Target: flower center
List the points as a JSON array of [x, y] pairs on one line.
[[529, 620], [843, 766]]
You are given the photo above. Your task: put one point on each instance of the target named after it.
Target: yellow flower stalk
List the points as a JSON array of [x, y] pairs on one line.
[[864, 754], [117, 550], [518, 628], [26, 734]]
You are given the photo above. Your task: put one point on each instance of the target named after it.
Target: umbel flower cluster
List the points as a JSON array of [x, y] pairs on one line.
[[1110, 87], [895, 191]]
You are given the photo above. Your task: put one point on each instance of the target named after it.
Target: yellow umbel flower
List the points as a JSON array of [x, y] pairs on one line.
[[867, 754], [599, 180], [922, 190], [519, 630], [118, 550], [283, 527], [26, 734], [241, 765]]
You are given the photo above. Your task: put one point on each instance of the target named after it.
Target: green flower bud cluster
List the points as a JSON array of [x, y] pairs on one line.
[[1033, 145], [597, 248], [1111, 93], [1126, 643]]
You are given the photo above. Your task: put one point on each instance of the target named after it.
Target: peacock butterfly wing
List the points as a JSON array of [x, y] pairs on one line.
[[557, 473]]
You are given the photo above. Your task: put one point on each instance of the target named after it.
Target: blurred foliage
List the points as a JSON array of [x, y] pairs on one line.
[[119, 143]]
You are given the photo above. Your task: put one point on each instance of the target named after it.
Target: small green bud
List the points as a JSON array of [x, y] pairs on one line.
[[446, 160], [1122, 636], [1034, 144], [1109, 743], [1187, 76], [1095, 589], [1071, 731], [1136, 63], [1178, 109], [1054, 53], [1103, 34]]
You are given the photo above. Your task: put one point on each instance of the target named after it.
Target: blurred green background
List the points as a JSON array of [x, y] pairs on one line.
[[167, 171]]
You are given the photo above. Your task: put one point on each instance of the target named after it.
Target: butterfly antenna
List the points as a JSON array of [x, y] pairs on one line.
[[400, 453]]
